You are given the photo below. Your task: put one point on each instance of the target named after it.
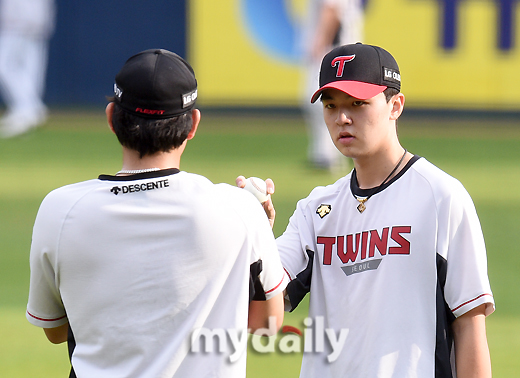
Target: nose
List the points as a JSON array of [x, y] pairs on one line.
[[343, 117]]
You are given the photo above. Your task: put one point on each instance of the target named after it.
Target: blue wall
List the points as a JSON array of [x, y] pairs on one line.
[[94, 38]]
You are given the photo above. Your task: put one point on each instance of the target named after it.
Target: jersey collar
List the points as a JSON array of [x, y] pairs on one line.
[[357, 191], [140, 176]]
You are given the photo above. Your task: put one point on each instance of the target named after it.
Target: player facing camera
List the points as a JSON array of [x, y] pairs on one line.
[[396, 232]]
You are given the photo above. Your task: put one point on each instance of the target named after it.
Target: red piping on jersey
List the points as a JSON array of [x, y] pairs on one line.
[[287, 274], [472, 300], [45, 320], [274, 288]]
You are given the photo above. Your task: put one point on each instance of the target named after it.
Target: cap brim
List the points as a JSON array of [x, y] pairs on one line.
[[357, 89]]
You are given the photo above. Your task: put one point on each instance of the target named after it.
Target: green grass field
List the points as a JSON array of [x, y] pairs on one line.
[[483, 154]]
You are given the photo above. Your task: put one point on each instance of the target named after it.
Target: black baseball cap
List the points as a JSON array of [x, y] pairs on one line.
[[361, 71], [156, 84]]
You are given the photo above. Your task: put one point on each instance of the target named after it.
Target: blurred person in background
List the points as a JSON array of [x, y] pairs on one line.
[[25, 30], [329, 23]]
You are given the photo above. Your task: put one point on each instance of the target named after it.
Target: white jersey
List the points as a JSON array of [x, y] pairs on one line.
[[136, 264], [394, 276]]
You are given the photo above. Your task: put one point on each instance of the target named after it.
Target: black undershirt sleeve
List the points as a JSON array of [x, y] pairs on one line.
[[256, 290], [301, 285]]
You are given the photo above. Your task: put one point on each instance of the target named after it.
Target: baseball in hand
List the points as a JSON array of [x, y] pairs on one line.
[[258, 188]]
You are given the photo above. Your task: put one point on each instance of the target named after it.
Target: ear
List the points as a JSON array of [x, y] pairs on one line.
[[109, 111], [397, 103], [195, 116]]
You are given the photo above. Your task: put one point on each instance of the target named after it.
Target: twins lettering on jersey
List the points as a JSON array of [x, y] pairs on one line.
[[360, 248], [134, 188]]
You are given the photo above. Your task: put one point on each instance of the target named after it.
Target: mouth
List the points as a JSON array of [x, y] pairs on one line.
[[345, 137]]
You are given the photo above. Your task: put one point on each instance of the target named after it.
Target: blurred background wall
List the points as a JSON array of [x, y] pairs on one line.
[[93, 39], [453, 54]]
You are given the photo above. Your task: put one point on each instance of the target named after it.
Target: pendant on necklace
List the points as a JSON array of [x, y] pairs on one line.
[[361, 207]]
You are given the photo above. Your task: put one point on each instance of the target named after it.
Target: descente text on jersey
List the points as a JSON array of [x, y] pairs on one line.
[[140, 187], [359, 246]]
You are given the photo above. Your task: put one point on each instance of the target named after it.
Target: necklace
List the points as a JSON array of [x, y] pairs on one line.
[[362, 200], [136, 171]]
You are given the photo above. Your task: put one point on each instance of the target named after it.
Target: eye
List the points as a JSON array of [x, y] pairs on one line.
[[329, 105], [358, 103]]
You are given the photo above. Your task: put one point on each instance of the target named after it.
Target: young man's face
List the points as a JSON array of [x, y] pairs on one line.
[[359, 128]]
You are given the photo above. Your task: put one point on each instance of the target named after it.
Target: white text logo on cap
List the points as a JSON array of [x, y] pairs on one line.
[[189, 98], [118, 92], [392, 75]]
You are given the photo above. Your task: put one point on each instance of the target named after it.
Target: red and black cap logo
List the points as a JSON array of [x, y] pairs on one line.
[[362, 71]]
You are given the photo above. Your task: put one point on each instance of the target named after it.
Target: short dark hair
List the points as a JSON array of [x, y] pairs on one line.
[[147, 135], [389, 93]]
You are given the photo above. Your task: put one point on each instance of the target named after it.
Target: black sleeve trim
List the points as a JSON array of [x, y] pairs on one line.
[[256, 290], [71, 345], [445, 318], [301, 285]]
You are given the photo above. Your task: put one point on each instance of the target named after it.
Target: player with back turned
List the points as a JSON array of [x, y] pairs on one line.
[[393, 252], [134, 263]]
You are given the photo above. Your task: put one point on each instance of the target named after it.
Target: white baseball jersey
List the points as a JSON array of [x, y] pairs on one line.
[[137, 264], [394, 276]]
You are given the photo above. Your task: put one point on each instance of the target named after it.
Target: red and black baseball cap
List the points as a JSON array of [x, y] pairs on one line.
[[361, 71], [156, 84]]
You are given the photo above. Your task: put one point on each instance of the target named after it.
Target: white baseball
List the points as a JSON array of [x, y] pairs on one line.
[[258, 188]]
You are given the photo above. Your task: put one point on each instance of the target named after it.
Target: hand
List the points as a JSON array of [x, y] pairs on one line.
[[267, 205]]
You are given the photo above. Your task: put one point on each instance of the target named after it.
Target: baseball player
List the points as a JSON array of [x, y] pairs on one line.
[[135, 264], [393, 253], [329, 23], [26, 27]]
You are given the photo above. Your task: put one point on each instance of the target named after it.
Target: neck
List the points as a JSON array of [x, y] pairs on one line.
[[160, 160], [372, 171]]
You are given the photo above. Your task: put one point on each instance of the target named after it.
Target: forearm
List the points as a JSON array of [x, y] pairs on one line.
[[57, 335], [471, 348], [261, 311]]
